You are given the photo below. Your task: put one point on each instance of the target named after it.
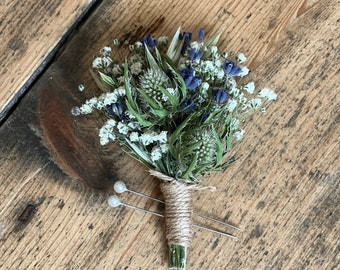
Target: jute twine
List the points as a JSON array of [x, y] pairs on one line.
[[178, 208]]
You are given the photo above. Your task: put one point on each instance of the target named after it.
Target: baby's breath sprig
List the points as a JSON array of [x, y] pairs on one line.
[[176, 106]]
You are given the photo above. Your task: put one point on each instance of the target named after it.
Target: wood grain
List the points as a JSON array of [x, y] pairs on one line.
[[30, 30], [283, 192]]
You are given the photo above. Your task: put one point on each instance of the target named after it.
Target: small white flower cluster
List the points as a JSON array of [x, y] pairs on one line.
[[152, 138], [102, 101], [106, 132]]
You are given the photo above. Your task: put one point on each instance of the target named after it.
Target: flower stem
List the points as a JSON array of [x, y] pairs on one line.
[[177, 257]]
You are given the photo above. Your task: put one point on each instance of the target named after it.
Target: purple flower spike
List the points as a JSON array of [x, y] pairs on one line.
[[149, 41], [191, 81], [221, 96], [201, 34], [195, 55], [231, 68], [186, 37], [116, 109], [188, 106]]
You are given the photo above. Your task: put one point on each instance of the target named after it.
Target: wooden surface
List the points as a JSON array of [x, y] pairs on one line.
[[30, 30], [283, 191]]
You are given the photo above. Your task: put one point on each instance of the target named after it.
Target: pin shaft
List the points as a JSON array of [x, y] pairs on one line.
[[195, 213], [194, 225]]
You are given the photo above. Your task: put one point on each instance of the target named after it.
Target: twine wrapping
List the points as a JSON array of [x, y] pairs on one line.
[[178, 208]]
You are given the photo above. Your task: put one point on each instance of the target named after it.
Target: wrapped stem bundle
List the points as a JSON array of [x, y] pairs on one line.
[[177, 107]]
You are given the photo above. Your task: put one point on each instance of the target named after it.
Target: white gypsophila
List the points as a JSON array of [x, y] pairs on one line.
[[234, 124], [241, 58], [109, 98], [218, 63], [268, 94], [76, 111], [93, 101], [249, 87], [106, 61], [255, 103], [111, 123], [164, 147], [106, 51], [116, 70], [182, 63], [100, 105], [134, 58], [86, 108], [162, 137], [213, 50], [244, 71], [97, 63], [207, 66], [235, 92], [204, 90], [232, 84], [263, 110], [205, 86], [106, 132], [220, 74], [81, 87], [136, 68], [165, 98], [171, 92], [121, 80], [148, 138], [134, 136], [120, 91], [162, 40], [194, 45], [242, 99], [130, 115], [231, 105], [104, 140], [138, 45], [116, 42], [238, 135], [123, 128], [133, 125], [156, 153]]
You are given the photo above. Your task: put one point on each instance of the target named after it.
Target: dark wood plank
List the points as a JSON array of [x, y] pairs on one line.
[[30, 30], [283, 192]]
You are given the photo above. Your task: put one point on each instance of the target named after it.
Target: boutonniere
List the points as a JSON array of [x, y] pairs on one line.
[[178, 107]]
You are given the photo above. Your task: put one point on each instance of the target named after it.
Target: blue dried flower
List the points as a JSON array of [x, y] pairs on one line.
[[201, 34], [231, 68], [191, 81], [149, 41], [195, 55], [188, 106], [116, 109], [221, 96], [186, 37]]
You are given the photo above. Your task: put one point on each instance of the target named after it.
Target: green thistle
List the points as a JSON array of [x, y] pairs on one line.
[[151, 81]]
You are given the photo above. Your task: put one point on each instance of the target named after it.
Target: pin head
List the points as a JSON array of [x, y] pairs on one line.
[[120, 187], [114, 201]]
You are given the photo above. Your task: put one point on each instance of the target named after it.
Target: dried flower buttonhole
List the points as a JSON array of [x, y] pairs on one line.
[[177, 107]]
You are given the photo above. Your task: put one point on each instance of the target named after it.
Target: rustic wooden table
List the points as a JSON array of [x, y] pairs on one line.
[[283, 191]]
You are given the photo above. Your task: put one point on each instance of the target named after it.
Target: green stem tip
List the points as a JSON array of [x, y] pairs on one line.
[[177, 257]]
